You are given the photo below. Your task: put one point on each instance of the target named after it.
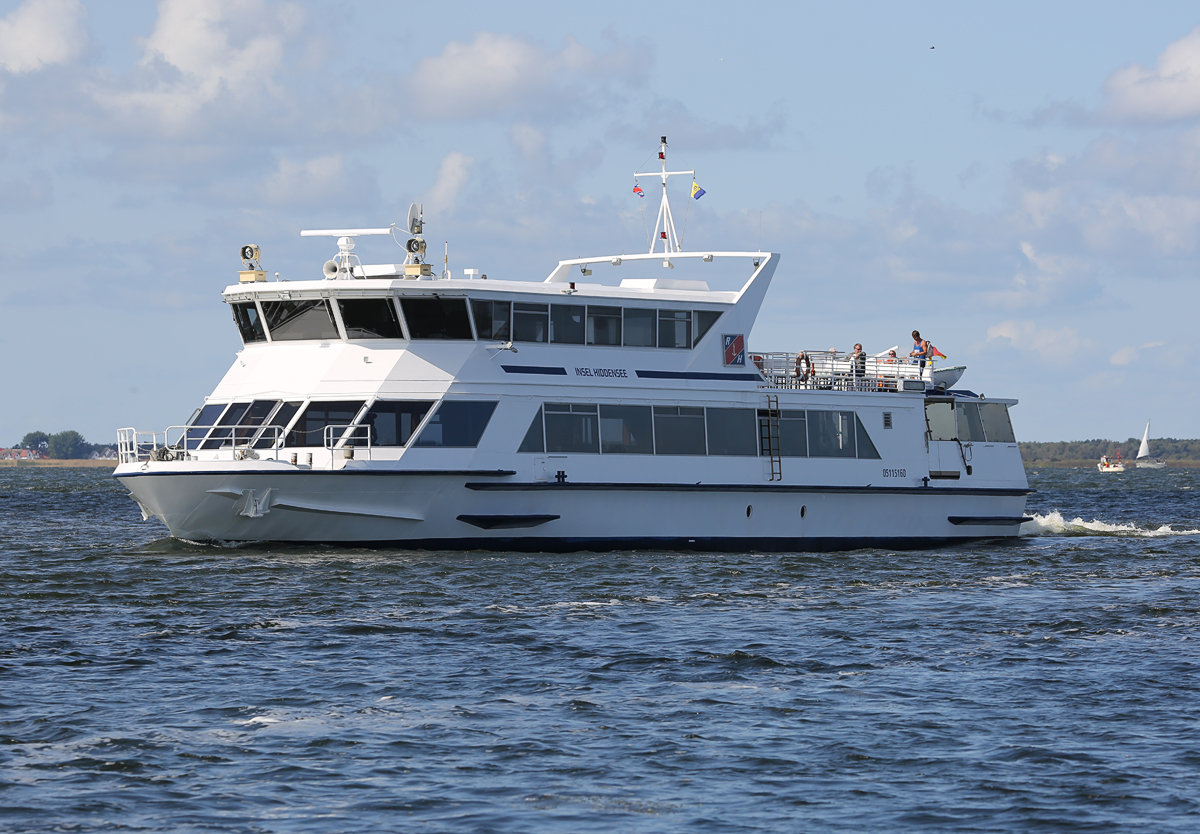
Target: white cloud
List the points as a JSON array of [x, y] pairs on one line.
[[529, 140], [1168, 92], [1129, 354], [452, 175], [41, 33], [314, 181], [197, 55], [1052, 345], [499, 73]]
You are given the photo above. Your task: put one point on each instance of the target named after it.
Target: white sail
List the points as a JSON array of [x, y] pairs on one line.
[[1144, 451]]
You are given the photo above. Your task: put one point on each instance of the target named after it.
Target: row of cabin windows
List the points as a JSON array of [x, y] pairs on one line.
[[447, 318], [686, 430], [262, 424], [969, 422]]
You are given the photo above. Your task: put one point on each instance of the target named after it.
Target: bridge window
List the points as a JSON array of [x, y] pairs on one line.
[[249, 323], [626, 430], [939, 420], [273, 431], [603, 325], [370, 318], [254, 417], [457, 423], [705, 319], [493, 319], [731, 431], [436, 318], [566, 324], [391, 423], [298, 320], [531, 323], [679, 430], [310, 428], [640, 327], [996, 424], [220, 436], [970, 427], [571, 428], [206, 419], [675, 329]]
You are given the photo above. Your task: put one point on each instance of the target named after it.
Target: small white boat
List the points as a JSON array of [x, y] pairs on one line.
[[1144, 461], [1106, 465]]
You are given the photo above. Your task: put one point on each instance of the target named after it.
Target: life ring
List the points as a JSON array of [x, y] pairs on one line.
[[758, 360], [804, 367]]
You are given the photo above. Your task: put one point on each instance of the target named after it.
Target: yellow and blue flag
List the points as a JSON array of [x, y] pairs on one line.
[[697, 191]]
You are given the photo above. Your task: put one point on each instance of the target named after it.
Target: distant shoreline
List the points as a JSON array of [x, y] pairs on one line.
[[85, 463]]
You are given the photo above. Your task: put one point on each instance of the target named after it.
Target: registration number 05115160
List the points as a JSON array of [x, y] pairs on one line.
[[895, 473]]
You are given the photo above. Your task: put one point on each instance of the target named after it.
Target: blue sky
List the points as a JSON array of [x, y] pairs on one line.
[[1027, 193]]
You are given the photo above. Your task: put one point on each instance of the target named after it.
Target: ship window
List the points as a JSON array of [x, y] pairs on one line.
[[304, 319], [640, 327], [679, 430], [248, 322], [866, 448], [566, 324], [674, 328], [603, 325], [457, 423], [571, 428], [254, 417], [272, 434], [996, 423], [939, 417], [531, 323], [310, 428], [626, 429], [370, 318], [391, 423], [705, 319], [492, 319], [205, 420], [793, 434], [534, 441], [220, 436], [970, 427], [436, 318], [731, 431], [831, 434]]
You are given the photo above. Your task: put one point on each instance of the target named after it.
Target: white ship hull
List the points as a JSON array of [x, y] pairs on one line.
[[467, 511]]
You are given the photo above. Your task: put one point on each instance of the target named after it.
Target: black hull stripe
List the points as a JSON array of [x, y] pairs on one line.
[[799, 488], [466, 473], [724, 544], [698, 375], [544, 370], [987, 520]]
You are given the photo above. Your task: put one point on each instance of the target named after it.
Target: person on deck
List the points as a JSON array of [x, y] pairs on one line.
[[858, 365], [920, 348]]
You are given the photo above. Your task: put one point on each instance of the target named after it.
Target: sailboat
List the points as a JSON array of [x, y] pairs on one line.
[[1144, 461]]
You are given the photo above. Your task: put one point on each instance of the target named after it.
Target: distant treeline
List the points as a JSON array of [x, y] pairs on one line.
[[1087, 452], [63, 445]]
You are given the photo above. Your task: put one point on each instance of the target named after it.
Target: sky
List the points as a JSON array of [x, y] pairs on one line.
[[1019, 181]]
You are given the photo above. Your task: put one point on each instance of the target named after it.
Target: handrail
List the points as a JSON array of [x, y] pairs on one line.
[[175, 443], [349, 437], [832, 370]]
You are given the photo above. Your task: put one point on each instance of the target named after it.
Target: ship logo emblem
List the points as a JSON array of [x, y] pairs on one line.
[[735, 349]]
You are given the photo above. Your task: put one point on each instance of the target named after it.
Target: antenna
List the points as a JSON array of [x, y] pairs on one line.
[[664, 226]]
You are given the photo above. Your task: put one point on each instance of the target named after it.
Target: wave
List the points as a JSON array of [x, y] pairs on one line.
[[1053, 524]]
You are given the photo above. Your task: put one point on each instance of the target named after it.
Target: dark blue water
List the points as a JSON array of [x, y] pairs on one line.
[[150, 685]]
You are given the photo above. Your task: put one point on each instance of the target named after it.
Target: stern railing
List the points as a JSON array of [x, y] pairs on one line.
[[831, 370]]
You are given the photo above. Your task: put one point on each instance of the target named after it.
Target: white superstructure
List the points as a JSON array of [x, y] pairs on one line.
[[395, 404]]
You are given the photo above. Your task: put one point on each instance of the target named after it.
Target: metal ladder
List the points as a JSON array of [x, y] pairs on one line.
[[768, 431]]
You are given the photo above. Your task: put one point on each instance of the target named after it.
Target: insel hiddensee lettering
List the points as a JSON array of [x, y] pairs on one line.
[[389, 405]]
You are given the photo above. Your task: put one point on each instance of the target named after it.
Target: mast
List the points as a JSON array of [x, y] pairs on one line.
[[664, 226]]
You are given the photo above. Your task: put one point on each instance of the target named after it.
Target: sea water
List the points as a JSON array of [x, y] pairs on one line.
[[1050, 684]]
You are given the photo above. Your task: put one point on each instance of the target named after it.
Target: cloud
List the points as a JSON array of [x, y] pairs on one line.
[[1128, 355], [313, 182], [21, 195], [452, 175], [499, 74], [223, 53], [41, 33], [1052, 345], [1169, 92], [673, 118]]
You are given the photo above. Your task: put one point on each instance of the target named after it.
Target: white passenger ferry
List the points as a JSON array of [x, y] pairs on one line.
[[395, 405]]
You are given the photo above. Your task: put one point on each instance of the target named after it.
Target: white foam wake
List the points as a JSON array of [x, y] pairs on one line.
[[1053, 524]]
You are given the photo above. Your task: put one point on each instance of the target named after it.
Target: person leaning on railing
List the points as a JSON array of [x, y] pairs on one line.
[[858, 364], [920, 348]]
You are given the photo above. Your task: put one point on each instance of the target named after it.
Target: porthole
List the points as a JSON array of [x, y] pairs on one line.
[[749, 510], [803, 510]]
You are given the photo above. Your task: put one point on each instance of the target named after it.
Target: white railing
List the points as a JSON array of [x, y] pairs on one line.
[[184, 442], [831, 370], [351, 439]]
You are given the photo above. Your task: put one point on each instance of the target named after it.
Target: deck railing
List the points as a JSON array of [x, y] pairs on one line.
[[832, 370], [182, 442]]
